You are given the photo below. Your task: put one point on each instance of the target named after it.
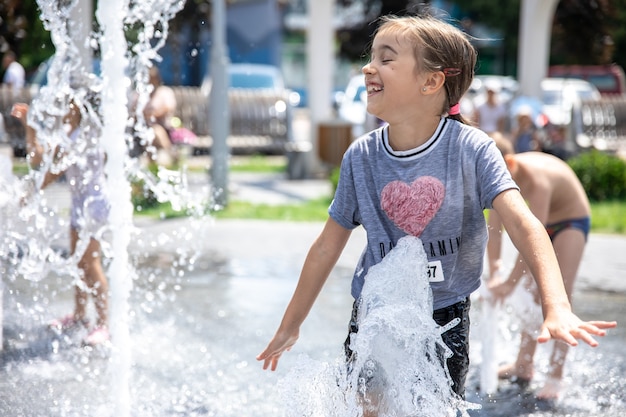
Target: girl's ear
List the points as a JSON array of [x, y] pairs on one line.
[[434, 82]]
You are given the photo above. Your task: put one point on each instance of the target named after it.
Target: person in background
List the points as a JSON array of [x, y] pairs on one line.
[[490, 116], [14, 75], [429, 174], [525, 135], [557, 198], [89, 213], [158, 113]]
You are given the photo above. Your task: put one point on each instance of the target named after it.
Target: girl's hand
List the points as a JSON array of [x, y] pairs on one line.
[[566, 326], [281, 342], [19, 111]]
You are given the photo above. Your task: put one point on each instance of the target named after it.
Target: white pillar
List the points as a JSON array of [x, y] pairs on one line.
[[320, 65], [219, 111], [534, 49], [81, 23]]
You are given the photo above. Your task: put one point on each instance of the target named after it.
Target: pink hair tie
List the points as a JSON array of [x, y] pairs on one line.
[[454, 110]]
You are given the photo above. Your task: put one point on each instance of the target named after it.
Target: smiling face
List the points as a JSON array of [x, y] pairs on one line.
[[394, 85], [420, 66]]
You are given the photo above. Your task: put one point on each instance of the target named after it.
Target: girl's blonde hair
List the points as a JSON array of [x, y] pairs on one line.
[[438, 46]]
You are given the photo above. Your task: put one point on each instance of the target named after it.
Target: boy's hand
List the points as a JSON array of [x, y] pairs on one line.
[[499, 289]]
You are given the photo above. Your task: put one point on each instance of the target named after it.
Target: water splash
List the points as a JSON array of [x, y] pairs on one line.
[[399, 367], [489, 338], [102, 99]]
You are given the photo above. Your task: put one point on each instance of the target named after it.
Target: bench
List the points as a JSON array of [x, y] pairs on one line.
[[261, 120]]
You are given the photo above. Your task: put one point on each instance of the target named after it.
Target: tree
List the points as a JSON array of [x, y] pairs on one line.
[[22, 31], [354, 41], [582, 32], [616, 20]]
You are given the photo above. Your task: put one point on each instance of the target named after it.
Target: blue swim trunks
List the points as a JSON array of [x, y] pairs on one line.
[[583, 224]]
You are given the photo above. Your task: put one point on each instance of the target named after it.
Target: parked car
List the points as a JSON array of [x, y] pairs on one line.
[[254, 77], [261, 110], [352, 106], [562, 119], [560, 95], [353, 101], [608, 79]]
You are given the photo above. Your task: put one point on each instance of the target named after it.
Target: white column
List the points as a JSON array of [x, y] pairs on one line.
[[82, 19], [534, 44], [320, 65], [114, 109], [219, 111]]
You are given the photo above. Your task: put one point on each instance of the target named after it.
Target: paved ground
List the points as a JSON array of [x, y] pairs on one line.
[[250, 268]]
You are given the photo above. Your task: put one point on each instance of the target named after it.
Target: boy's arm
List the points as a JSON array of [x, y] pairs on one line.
[[321, 259], [532, 241]]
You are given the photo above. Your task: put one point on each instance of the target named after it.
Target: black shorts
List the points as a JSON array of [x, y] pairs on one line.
[[456, 338]]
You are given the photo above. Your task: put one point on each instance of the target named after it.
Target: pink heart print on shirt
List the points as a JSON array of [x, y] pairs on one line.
[[412, 207]]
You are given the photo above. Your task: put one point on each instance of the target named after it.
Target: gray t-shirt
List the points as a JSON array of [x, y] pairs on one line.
[[436, 192]]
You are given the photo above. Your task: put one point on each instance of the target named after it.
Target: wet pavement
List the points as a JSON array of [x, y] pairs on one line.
[[210, 293]]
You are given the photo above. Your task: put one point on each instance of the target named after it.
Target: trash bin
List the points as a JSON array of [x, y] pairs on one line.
[[334, 137]]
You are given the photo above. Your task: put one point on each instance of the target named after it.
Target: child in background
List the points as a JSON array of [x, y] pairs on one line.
[[525, 135], [89, 213], [429, 174], [557, 198]]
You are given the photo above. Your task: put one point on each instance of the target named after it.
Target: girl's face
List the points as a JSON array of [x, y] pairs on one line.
[[72, 118], [394, 86]]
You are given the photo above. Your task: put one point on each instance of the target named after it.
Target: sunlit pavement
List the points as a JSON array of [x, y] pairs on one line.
[[254, 265]]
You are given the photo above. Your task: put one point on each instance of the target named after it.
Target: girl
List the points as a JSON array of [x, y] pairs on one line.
[[428, 174], [89, 208]]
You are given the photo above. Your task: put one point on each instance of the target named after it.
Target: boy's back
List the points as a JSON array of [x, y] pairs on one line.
[[548, 181]]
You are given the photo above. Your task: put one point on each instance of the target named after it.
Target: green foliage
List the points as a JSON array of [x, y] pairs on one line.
[[608, 217], [309, 211], [334, 179], [23, 32], [259, 163], [142, 196], [602, 175]]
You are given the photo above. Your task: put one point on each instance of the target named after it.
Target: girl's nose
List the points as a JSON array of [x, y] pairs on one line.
[[367, 69]]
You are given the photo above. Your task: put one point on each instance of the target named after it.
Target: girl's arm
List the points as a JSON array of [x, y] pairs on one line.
[[531, 240], [537, 198], [494, 244], [33, 147], [321, 259]]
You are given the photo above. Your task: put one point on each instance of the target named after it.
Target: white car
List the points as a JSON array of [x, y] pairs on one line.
[[560, 95], [353, 107]]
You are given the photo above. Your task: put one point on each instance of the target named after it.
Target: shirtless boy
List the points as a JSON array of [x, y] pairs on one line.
[[557, 198]]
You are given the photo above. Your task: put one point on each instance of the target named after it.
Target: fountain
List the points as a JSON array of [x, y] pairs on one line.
[[397, 370], [205, 298]]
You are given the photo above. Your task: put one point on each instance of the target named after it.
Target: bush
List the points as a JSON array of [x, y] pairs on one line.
[[602, 175]]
